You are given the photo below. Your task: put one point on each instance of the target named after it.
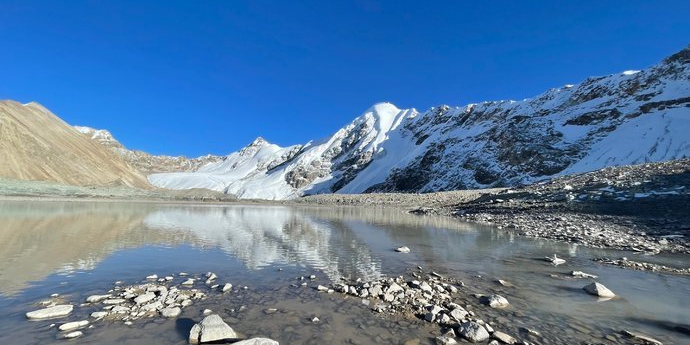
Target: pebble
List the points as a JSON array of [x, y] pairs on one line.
[[171, 312], [73, 325], [473, 332]]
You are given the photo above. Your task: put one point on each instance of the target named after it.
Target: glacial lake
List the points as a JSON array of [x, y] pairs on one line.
[[77, 249]]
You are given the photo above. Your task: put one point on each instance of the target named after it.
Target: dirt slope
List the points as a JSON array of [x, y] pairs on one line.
[[37, 145]]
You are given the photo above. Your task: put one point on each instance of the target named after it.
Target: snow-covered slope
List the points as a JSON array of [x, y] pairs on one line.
[[624, 118], [144, 162]]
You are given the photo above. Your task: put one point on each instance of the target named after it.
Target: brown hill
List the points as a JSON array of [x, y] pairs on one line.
[[37, 145]]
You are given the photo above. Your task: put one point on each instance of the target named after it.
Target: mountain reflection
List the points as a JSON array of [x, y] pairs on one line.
[[38, 239]]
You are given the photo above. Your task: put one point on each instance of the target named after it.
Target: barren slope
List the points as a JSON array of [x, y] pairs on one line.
[[36, 145]]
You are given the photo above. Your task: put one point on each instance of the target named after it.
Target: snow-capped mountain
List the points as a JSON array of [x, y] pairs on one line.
[[144, 162], [619, 119]]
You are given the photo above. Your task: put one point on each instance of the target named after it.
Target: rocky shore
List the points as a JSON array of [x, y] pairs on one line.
[[642, 208]]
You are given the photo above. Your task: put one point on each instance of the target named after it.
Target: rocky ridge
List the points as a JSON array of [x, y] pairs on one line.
[[620, 119], [144, 162]]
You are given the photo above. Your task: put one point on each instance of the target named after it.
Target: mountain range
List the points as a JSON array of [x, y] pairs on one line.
[[619, 119]]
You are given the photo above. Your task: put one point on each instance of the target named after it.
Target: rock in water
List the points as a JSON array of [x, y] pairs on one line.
[[645, 339], [213, 328], [402, 249], [61, 310], [495, 301], [580, 274], [70, 326], [171, 312], [73, 335], [445, 340], [504, 338], [97, 298], [194, 334], [257, 341], [555, 260], [473, 332], [600, 290]]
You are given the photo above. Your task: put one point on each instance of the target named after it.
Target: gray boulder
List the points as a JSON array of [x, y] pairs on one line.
[[473, 332], [600, 290], [211, 328]]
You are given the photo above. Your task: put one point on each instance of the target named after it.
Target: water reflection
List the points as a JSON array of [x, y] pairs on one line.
[[41, 238]]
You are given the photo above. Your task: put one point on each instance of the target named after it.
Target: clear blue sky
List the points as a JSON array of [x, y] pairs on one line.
[[196, 77]]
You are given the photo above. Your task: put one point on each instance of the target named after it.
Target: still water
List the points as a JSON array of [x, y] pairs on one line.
[[76, 249]]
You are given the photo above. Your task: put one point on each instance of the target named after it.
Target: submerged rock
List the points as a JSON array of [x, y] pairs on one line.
[[402, 249], [643, 338], [504, 338], [51, 312], [97, 298], [600, 290]]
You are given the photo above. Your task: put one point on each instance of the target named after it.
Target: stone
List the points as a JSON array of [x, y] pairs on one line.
[[321, 288], [402, 249], [152, 277], [495, 301], [73, 335], [114, 301], [424, 286], [213, 328], [445, 340], [227, 287], [70, 326], [257, 341], [580, 274], [97, 298], [637, 336], [171, 312], [394, 288], [189, 281], [504, 338], [207, 312], [459, 313], [60, 310], [473, 332], [99, 314], [600, 290], [141, 299], [194, 334], [555, 260]]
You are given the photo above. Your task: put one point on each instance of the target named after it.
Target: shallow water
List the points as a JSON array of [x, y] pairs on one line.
[[81, 248]]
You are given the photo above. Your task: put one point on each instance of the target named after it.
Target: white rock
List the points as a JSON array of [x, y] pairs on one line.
[[99, 314], [61, 310], [600, 290], [555, 260], [504, 338], [496, 301], [580, 274], [73, 335], [171, 312], [402, 249], [257, 341], [97, 298], [227, 287], [194, 334], [189, 281], [207, 312], [213, 328], [473, 332], [445, 340], [70, 326], [152, 277], [141, 299], [114, 301]]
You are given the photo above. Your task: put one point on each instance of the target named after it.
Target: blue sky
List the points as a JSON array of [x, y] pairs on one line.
[[196, 77]]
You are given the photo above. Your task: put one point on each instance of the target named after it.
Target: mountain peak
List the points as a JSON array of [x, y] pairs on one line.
[[259, 141]]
